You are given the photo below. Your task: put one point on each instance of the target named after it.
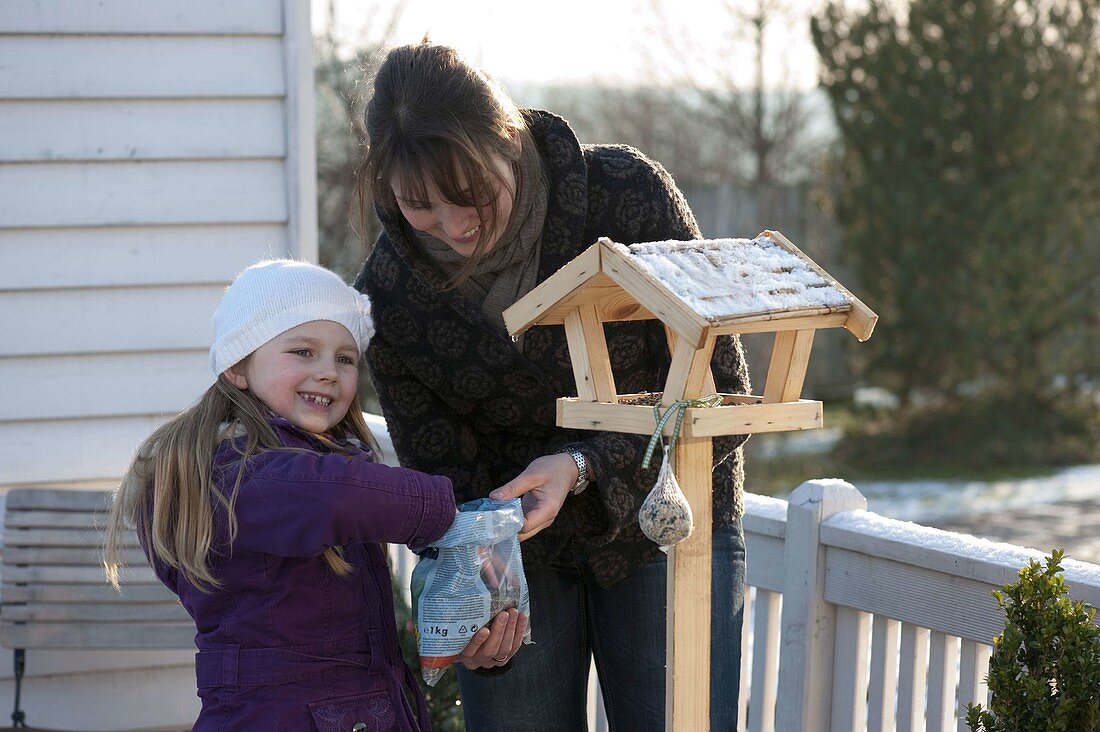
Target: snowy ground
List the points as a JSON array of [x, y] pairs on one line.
[[1054, 511], [940, 500]]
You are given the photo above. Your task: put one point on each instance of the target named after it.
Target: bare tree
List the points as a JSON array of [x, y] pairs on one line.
[[761, 117], [342, 71]]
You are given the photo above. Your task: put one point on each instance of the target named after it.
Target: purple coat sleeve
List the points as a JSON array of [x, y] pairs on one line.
[[298, 504]]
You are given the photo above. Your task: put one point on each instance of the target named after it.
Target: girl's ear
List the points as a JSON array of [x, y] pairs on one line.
[[235, 375]]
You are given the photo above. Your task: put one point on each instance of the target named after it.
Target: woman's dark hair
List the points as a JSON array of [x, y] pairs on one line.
[[433, 117]]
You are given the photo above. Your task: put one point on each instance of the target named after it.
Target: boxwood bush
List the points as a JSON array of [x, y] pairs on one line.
[[1045, 670]]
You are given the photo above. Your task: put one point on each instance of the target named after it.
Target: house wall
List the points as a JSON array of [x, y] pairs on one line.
[[148, 152]]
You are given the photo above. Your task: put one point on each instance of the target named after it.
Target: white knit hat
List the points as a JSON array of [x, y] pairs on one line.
[[273, 296]]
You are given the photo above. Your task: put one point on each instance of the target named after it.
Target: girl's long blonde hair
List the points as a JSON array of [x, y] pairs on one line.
[[169, 493]]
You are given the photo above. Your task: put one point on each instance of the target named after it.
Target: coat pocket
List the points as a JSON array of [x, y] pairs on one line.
[[371, 712]]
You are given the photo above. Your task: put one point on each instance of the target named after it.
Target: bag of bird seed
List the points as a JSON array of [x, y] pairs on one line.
[[464, 579]]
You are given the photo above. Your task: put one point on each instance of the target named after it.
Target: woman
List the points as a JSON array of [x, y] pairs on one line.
[[480, 201]]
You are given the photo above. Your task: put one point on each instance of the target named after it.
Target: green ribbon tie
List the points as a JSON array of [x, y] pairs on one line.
[[711, 400]]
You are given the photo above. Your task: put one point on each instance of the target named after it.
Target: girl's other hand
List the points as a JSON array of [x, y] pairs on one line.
[[542, 488], [496, 643]]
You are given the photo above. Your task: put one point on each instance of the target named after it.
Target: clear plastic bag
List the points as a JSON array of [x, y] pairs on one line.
[[464, 579]]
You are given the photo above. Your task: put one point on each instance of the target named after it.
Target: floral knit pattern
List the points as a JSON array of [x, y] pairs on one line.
[[460, 399]]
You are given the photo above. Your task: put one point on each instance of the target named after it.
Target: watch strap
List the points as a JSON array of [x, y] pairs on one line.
[[582, 470]]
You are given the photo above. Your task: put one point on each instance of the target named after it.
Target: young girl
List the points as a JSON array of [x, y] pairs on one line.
[[262, 507]]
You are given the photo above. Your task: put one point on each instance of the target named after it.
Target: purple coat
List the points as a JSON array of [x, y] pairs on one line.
[[285, 643]]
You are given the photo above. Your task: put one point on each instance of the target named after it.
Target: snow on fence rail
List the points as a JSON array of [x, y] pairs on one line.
[[861, 622]]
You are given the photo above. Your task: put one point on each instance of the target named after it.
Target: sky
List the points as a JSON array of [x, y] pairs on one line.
[[585, 41]]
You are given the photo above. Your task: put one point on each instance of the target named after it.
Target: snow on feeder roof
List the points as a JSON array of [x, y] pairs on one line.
[[724, 278], [706, 286]]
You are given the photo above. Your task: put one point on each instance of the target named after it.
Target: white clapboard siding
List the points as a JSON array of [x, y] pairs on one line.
[[118, 67], [146, 147], [103, 385], [149, 151], [138, 193], [71, 449], [108, 320], [36, 259], [213, 17], [145, 129]]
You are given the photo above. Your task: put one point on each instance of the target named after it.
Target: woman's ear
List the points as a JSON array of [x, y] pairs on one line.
[[235, 376]]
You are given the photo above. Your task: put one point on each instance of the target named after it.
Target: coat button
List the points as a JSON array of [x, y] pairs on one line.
[[359, 727]]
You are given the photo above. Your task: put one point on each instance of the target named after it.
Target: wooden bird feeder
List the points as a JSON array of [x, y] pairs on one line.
[[699, 290]]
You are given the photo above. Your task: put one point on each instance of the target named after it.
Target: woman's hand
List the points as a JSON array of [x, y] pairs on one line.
[[496, 643], [542, 488]]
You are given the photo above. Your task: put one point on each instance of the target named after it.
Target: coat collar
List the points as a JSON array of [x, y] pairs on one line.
[[292, 436]]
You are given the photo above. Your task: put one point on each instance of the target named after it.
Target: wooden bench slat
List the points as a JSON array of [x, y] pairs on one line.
[[59, 537], [92, 556], [111, 613], [97, 635], [130, 593], [56, 499], [74, 575], [53, 520]]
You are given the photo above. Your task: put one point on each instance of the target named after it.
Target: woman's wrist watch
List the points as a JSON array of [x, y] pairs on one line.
[[582, 470]]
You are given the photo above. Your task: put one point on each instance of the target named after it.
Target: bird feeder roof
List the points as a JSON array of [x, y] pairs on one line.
[[732, 285]]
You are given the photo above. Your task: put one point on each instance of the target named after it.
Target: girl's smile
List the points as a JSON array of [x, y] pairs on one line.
[[318, 399]]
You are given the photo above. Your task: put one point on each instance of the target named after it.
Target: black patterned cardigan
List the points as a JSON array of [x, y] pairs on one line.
[[462, 401]]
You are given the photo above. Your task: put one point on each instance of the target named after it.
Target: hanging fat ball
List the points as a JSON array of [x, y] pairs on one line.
[[665, 515]]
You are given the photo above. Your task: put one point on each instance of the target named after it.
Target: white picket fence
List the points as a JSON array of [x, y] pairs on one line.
[[860, 622]]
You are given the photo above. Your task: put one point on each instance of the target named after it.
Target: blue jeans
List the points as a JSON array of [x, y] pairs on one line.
[[623, 626]]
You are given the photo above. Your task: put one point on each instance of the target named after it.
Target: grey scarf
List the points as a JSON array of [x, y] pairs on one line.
[[510, 269]]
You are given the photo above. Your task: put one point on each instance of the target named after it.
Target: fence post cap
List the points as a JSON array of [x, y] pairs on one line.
[[833, 494]]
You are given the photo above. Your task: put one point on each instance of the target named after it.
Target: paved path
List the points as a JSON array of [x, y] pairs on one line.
[[1070, 525]]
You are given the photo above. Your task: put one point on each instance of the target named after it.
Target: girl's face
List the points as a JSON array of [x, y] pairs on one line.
[[306, 375], [460, 226]]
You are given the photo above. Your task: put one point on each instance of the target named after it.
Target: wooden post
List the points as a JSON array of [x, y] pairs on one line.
[[588, 353], [708, 378], [689, 373], [808, 620], [787, 370], [687, 675]]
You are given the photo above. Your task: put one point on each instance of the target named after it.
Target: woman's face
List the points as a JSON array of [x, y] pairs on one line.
[[457, 225]]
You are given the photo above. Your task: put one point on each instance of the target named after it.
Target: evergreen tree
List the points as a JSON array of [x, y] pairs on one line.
[[970, 197]]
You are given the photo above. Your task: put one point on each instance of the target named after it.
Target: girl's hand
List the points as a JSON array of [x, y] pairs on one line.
[[496, 643], [542, 488]]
